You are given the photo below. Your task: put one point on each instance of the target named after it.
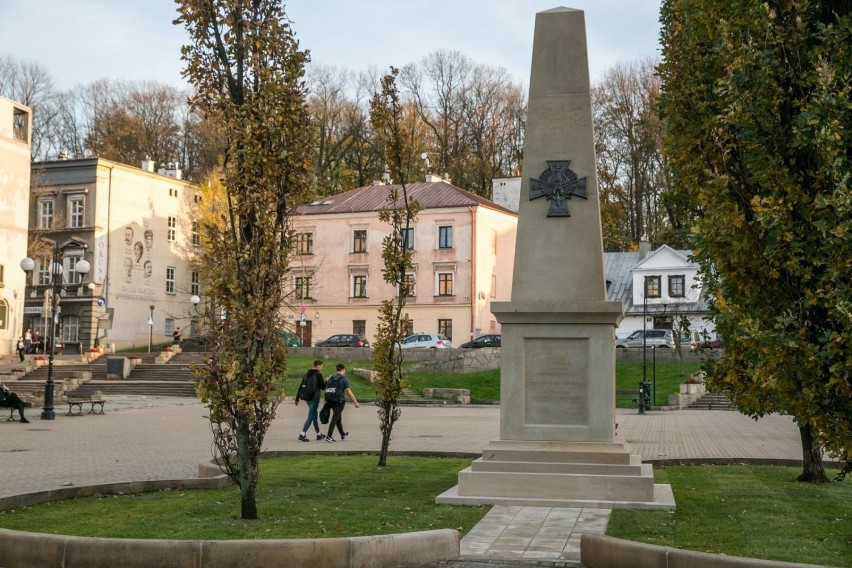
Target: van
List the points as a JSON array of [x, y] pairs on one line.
[[662, 338]]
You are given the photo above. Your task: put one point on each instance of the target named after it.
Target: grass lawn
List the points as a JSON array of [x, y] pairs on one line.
[[669, 377], [298, 497], [485, 386], [758, 512], [752, 511]]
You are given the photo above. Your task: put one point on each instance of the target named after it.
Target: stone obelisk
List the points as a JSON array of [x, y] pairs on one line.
[[557, 443]]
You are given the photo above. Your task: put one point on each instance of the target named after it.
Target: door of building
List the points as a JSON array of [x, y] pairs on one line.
[[305, 333]]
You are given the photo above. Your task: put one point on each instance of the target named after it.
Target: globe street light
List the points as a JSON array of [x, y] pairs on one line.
[[55, 288]]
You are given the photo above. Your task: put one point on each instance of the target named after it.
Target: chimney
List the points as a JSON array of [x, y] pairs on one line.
[[644, 247], [63, 155], [432, 178], [148, 164]]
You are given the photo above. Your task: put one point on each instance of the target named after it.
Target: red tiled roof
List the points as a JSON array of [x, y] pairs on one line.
[[430, 195]]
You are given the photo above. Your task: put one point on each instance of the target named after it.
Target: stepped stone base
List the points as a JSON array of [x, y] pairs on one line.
[[559, 474]]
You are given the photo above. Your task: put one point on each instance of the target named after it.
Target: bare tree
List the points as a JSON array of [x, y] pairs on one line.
[[632, 172]]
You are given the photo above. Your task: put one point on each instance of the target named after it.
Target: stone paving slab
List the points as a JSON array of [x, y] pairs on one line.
[[147, 438]]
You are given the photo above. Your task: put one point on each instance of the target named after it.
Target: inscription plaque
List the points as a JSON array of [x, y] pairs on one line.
[[556, 373]]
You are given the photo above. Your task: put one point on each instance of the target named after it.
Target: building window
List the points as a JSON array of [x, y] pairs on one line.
[[304, 243], [445, 327], [195, 284], [4, 314], [71, 269], [20, 124], [445, 237], [409, 328], [445, 284], [359, 327], [172, 229], [410, 290], [196, 237], [303, 287], [677, 286], [44, 271], [408, 238], [169, 326], [359, 241], [170, 280], [70, 328], [359, 286], [45, 214], [652, 286], [2, 276], [75, 212]]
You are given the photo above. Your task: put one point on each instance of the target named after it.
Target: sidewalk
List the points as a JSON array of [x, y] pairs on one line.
[[143, 438]]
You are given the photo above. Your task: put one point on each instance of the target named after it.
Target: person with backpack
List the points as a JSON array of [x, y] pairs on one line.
[[336, 390], [312, 386]]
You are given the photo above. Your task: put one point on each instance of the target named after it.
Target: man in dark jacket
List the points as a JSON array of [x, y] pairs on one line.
[[11, 400], [336, 390], [310, 391]]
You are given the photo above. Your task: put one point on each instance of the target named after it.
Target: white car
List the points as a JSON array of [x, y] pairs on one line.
[[663, 338], [426, 341]]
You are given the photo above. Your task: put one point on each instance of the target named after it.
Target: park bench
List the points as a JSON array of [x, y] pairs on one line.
[[13, 411], [77, 400], [629, 392]]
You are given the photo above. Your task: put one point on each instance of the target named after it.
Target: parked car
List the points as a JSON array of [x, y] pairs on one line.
[[43, 347], [482, 341], [292, 340], [426, 341], [344, 340], [697, 341], [662, 338]]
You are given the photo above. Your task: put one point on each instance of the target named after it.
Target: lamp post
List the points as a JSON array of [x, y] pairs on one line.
[[150, 327], [55, 288]]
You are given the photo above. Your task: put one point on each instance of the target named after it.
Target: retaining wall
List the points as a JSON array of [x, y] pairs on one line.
[[599, 551]]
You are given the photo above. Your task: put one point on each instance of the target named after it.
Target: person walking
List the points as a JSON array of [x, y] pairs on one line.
[[310, 390], [28, 340], [21, 348], [336, 389], [176, 336]]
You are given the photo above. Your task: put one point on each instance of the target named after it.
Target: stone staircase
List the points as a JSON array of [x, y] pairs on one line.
[[712, 401], [173, 379]]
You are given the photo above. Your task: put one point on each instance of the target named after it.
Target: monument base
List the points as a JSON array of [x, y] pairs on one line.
[[559, 474]]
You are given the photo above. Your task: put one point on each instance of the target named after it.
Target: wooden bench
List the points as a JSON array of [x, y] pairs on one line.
[[13, 411], [78, 402], [631, 392]]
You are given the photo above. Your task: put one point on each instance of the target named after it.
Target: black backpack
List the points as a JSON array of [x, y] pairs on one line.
[[333, 389], [308, 388]]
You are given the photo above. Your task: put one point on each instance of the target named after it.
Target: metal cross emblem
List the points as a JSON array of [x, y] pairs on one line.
[[557, 183]]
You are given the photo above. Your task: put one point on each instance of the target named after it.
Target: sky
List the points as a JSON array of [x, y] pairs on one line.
[[80, 41]]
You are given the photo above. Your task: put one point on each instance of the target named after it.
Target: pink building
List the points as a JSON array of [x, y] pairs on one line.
[[463, 250]]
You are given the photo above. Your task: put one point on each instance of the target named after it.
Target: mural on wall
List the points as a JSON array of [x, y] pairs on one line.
[[137, 281]]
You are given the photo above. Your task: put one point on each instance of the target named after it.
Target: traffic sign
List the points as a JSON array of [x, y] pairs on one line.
[[150, 320]]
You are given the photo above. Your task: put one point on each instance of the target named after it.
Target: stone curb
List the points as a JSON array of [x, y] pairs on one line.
[[600, 551], [34, 550]]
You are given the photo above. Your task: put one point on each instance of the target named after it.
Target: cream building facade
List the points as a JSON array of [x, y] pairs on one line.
[[133, 225], [15, 145], [463, 249]]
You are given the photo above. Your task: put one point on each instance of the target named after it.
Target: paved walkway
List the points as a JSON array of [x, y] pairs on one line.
[[142, 438]]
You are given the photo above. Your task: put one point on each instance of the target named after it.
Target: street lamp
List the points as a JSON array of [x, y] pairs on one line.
[[55, 287], [644, 384], [150, 327]]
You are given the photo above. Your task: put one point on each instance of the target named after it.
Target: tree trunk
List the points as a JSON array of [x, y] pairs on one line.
[[812, 470], [248, 479]]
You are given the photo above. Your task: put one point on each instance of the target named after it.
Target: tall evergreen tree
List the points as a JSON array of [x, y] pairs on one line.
[[756, 104], [247, 70]]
